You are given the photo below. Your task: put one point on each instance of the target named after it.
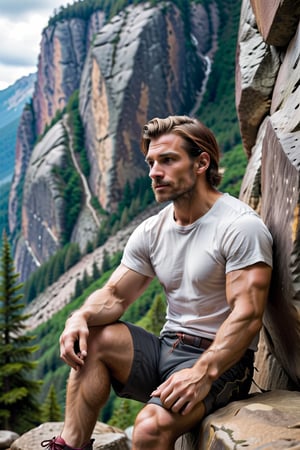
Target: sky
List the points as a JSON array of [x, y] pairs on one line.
[[21, 26]]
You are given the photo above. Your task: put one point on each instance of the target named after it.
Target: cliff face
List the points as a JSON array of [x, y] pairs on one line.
[[138, 67], [268, 99], [128, 70], [63, 53], [64, 47]]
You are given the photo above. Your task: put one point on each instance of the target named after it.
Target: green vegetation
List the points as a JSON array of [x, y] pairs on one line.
[[218, 110], [51, 270], [234, 164], [69, 184], [83, 10], [19, 409], [77, 130], [51, 411], [135, 199]]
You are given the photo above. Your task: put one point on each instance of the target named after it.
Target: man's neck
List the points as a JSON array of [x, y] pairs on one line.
[[187, 211]]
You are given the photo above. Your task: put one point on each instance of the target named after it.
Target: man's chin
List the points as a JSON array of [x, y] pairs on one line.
[[162, 198]]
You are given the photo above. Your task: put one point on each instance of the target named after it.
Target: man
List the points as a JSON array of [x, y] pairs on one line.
[[213, 256]]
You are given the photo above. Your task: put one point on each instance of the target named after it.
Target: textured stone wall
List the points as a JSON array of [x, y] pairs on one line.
[[268, 105]]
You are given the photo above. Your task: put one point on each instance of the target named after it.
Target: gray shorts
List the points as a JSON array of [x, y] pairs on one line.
[[155, 359]]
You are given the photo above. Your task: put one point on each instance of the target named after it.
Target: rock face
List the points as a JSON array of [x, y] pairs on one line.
[[42, 206], [137, 66], [268, 99], [25, 140], [63, 52], [265, 421]]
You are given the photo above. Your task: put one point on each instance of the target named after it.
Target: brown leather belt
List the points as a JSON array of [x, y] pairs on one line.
[[195, 341]]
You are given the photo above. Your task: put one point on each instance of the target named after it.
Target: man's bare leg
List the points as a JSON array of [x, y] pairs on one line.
[[157, 428], [110, 352]]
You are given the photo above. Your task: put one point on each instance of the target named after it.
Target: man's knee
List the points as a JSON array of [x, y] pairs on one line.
[[152, 424], [105, 338], [112, 345]]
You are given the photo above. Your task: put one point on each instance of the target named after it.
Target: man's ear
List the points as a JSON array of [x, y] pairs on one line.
[[202, 162]]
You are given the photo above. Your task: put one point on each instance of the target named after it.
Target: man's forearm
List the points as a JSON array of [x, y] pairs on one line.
[[101, 307], [230, 344]]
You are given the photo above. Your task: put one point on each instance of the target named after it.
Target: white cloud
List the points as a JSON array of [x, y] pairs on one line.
[[21, 26]]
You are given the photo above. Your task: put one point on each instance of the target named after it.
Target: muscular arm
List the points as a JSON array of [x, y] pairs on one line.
[[102, 307], [247, 292], [107, 305]]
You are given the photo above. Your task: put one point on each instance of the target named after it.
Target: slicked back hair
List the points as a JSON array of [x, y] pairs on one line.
[[196, 136]]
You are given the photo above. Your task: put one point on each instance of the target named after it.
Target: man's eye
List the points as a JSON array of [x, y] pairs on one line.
[[168, 160]]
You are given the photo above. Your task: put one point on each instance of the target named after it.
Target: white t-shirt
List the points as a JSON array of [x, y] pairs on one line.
[[191, 261]]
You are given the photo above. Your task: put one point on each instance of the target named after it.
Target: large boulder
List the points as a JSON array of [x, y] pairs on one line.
[[265, 421]]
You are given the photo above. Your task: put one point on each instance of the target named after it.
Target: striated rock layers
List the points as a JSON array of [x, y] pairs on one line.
[[268, 104], [138, 65], [138, 68]]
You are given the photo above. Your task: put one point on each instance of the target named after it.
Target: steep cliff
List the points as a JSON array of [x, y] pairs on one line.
[[64, 47], [140, 64]]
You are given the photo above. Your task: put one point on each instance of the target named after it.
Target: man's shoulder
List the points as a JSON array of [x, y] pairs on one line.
[[235, 205], [158, 218]]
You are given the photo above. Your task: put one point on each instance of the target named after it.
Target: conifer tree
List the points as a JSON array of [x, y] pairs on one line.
[[51, 411], [78, 288], [105, 262], [19, 409], [96, 271], [155, 317]]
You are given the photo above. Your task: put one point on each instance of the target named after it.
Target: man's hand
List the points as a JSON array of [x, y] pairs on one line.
[[73, 341], [184, 390]]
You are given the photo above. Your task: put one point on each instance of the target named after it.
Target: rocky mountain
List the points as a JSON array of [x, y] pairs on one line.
[[145, 61], [12, 102]]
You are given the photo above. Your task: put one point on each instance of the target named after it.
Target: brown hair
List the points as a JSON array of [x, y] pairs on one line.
[[197, 139]]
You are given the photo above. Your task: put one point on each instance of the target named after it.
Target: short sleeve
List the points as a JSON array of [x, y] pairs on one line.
[[247, 241], [136, 252]]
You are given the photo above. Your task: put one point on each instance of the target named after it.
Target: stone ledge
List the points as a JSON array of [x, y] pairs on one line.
[[106, 437], [264, 421]]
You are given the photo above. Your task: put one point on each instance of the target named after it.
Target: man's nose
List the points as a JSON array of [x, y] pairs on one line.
[[155, 170]]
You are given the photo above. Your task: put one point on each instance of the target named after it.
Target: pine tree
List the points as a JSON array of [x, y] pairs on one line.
[[78, 288], [105, 262], [96, 271], [51, 411], [155, 317], [19, 409]]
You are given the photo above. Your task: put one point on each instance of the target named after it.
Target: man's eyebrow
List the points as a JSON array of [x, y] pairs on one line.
[[163, 155]]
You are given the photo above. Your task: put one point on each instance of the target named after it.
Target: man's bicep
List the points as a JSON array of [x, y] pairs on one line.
[[128, 284], [248, 288]]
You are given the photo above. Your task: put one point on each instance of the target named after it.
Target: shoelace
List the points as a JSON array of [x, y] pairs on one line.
[[51, 444]]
